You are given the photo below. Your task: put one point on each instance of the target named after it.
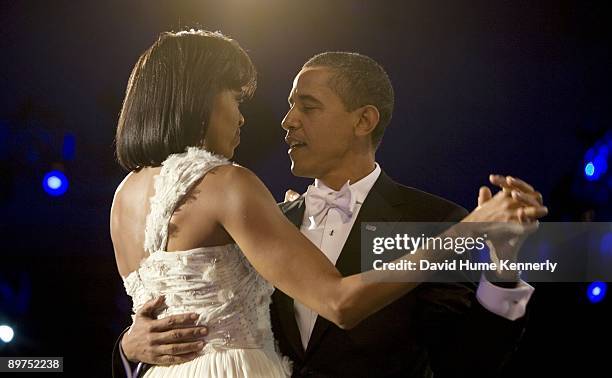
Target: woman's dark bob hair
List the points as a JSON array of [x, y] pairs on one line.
[[170, 94]]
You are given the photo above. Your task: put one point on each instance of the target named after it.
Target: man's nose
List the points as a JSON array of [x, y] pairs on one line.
[[289, 122], [241, 121]]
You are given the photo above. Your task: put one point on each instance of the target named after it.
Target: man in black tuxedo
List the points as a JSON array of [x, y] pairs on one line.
[[340, 104], [442, 328]]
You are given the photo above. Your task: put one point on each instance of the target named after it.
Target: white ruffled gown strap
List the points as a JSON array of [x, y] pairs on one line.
[[218, 283], [178, 174]]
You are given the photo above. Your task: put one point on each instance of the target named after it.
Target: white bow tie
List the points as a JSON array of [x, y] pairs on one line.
[[320, 200]]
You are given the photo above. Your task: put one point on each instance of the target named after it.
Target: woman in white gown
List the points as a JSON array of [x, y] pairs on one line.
[[188, 224]]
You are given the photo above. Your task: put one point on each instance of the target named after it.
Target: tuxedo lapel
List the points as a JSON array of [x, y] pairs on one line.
[[294, 211], [379, 206]]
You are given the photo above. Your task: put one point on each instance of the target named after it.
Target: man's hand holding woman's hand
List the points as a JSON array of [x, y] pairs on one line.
[[510, 216], [516, 202]]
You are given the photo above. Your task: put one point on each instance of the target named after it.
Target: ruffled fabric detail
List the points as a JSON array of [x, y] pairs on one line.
[[178, 174], [218, 283]]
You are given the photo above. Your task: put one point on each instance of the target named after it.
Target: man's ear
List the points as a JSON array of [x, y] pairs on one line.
[[368, 120]]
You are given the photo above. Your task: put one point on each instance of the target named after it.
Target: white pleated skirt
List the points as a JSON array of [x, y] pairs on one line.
[[229, 363]]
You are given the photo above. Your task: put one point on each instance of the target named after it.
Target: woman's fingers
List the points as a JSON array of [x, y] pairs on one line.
[[532, 212], [526, 199], [484, 194], [538, 197], [522, 185], [509, 183], [498, 180]]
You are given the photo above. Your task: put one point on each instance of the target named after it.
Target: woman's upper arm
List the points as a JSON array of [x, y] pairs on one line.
[[274, 246], [115, 226], [121, 230]]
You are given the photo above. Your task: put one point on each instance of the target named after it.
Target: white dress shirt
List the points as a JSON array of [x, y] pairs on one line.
[[331, 234]]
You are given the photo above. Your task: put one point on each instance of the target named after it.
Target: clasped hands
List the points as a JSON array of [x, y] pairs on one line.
[[508, 218]]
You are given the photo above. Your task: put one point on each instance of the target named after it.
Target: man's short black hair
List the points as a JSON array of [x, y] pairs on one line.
[[359, 80], [170, 94]]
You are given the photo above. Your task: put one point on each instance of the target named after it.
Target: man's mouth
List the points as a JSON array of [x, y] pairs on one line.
[[294, 143], [294, 146]]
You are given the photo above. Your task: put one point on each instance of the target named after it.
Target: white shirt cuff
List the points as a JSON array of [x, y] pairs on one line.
[[508, 303]]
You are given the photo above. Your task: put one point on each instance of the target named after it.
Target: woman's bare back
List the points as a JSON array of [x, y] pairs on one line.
[[189, 226]]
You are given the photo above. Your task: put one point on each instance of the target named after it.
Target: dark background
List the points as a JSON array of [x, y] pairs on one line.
[[508, 87]]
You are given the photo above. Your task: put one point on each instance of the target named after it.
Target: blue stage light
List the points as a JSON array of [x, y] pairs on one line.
[[596, 291], [6, 333], [589, 169], [55, 183], [596, 159]]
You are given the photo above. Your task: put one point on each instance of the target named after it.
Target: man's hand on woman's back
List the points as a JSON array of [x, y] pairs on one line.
[[171, 340]]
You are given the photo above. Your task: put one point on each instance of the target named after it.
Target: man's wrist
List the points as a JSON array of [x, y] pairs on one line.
[[122, 349]]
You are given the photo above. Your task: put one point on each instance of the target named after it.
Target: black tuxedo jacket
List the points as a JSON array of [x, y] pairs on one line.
[[436, 328]]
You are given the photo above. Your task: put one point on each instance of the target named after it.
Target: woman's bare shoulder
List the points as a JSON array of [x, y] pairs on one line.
[[231, 189], [230, 180], [120, 193], [125, 190]]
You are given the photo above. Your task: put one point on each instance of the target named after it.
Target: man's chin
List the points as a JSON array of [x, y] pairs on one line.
[[300, 171]]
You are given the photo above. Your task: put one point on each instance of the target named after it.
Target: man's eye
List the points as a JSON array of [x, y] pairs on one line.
[[308, 108]]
